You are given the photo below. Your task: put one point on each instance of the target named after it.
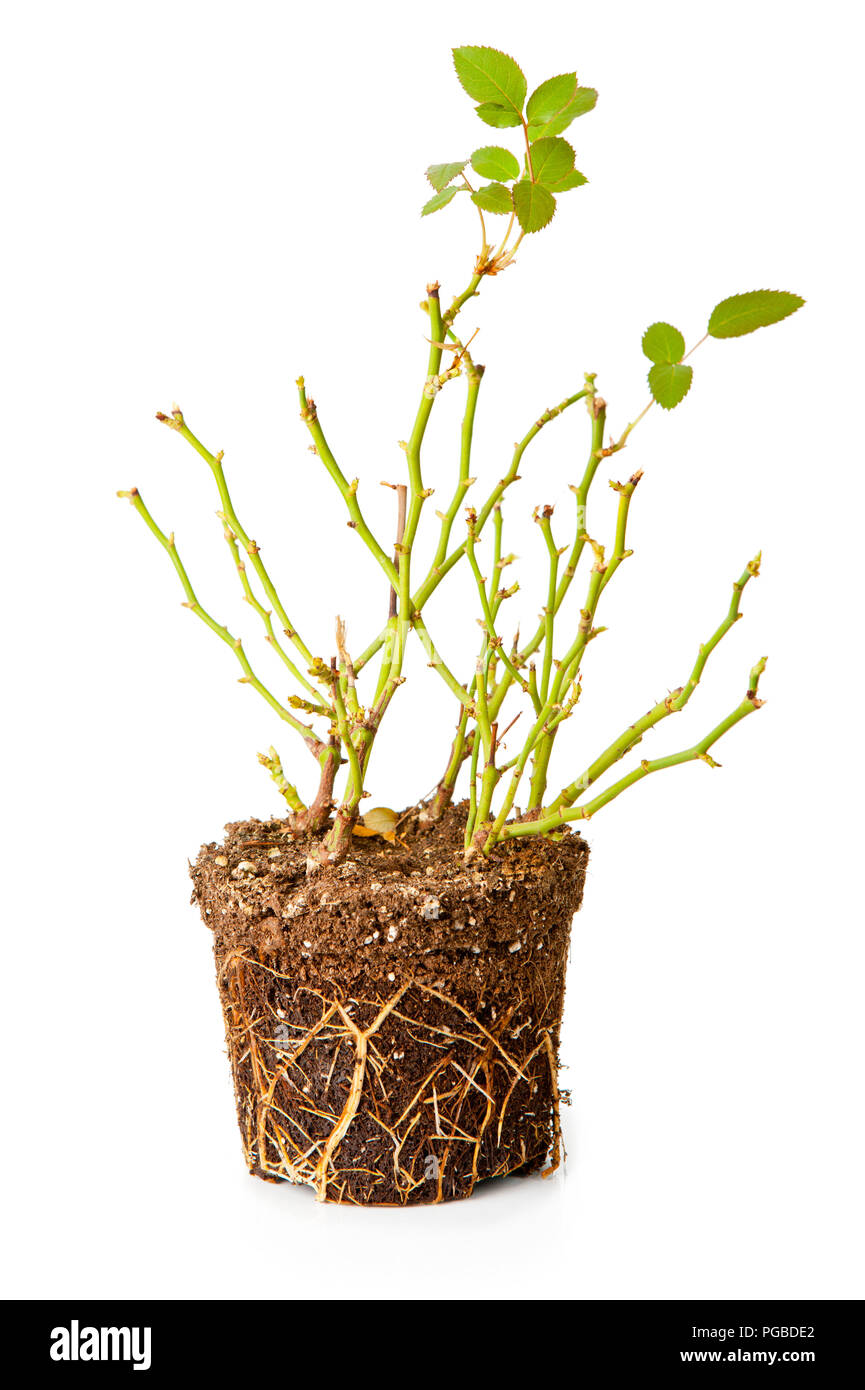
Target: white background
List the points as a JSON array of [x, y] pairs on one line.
[[202, 201]]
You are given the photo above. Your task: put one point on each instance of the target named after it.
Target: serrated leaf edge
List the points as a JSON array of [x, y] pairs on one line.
[[507, 104], [687, 367], [530, 184], [665, 361], [739, 294], [445, 162], [426, 210], [555, 77], [540, 129]]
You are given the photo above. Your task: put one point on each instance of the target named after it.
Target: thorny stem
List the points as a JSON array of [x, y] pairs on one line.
[[672, 704], [554, 708], [406, 615], [309, 415], [263, 613], [319, 811], [401, 492], [438, 570], [249, 677], [597, 414], [566, 673], [554, 691], [271, 761], [214, 461], [355, 787], [473, 795], [417, 494], [474, 379], [438, 664], [468, 293], [544, 520], [492, 638], [626, 492], [551, 822], [409, 607], [460, 749], [436, 574]]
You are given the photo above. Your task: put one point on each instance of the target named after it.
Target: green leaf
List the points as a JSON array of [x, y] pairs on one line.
[[551, 98], [583, 100], [439, 200], [573, 180], [743, 313], [440, 175], [552, 160], [488, 75], [534, 205], [494, 197], [498, 116], [494, 162], [669, 383], [663, 343]]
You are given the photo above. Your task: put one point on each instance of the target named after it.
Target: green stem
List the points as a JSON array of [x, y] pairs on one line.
[[374, 647], [495, 642], [309, 415], [445, 789], [672, 704], [214, 462], [432, 385], [538, 783], [249, 677], [483, 717], [436, 662], [271, 760], [626, 492], [442, 567], [551, 822], [475, 376], [473, 795], [417, 492], [355, 780], [496, 576], [437, 572], [262, 612], [408, 615], [534, 693], [394, 636], [554, 708], [539, 731], [597, 413], [468, 293], [544, 520]]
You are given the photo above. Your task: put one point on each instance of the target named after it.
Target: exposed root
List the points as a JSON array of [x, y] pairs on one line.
[[558, 1146], [392, 1023], [323, 1099]]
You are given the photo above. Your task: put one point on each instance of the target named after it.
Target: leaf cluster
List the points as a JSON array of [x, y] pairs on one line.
[[523, 187]]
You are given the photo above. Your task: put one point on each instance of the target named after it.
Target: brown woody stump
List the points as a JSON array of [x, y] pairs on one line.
[[392, 1021]]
